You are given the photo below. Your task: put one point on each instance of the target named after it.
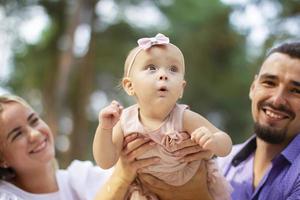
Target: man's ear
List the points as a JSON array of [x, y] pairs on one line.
[[252, 87], [127, 86]]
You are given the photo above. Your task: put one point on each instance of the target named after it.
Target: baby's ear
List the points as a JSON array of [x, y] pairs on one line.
[[183, 87], [183, 84], [127, 86]]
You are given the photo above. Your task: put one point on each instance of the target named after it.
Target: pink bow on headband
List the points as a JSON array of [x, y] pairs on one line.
[[146, 43]]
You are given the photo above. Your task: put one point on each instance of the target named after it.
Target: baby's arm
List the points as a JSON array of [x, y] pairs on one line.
[[206, 134], [108, 139]]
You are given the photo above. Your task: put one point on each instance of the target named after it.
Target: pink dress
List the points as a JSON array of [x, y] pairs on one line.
[[170, 170]]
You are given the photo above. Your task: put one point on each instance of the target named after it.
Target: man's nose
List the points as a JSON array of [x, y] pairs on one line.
[[279, 97]]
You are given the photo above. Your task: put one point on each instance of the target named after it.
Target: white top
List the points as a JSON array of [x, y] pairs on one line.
[[80, 181]]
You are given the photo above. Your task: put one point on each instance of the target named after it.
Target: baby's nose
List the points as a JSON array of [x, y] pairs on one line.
[[163, 75]]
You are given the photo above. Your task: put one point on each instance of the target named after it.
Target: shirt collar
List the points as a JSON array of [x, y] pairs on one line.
[[292, 151], [246, 150]]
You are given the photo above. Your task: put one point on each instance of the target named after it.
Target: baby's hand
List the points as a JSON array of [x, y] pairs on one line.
[[204, 138], [110, 115]]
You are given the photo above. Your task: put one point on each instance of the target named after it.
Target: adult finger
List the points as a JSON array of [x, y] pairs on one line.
[[136, 143], [132, 155], [202, 155], [129, 138], [144, 163], [184, 144], [188, 150]]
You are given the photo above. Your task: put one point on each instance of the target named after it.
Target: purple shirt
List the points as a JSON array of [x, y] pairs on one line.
[[281, 181]]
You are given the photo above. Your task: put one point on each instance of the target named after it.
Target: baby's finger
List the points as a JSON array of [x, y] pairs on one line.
[[107, 112], [110, 108], [114, 112], [116, 104], [193, 136], [203, 129], [204, 139], [209, 144], [197, 135]]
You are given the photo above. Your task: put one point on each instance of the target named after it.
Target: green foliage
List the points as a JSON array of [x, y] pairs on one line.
[[218, 73]]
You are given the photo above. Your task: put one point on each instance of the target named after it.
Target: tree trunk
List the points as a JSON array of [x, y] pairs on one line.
[[86, 74]]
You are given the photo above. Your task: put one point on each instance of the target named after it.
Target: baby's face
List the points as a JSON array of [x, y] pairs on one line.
[[157, 75]]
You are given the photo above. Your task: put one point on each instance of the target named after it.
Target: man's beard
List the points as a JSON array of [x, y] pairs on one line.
[[269, 134]]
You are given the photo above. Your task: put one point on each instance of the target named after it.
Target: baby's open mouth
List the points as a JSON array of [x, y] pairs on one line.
[[163, 89]]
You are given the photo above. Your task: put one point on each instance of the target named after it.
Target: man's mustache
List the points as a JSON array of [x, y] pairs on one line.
[[281, 108]]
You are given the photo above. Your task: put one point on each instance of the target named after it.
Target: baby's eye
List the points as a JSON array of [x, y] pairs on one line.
[[151, 67], [174, 68]]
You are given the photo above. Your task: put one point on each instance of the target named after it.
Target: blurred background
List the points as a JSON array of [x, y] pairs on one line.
[[66, 56]]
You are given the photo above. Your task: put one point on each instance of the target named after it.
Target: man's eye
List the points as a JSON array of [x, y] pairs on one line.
[[268, 83], [174, 68], [151, 67]]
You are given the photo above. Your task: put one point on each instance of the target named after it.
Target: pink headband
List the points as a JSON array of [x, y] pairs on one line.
[[146, 43]]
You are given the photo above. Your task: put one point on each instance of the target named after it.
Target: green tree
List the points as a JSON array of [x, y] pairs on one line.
[[215, 53]]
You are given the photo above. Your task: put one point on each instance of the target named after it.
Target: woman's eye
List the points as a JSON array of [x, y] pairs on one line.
[[295, 90], [17, 134], [173, 69], [34, 121]]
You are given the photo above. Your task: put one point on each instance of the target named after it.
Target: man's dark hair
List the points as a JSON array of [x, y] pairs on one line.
[[289, 48]]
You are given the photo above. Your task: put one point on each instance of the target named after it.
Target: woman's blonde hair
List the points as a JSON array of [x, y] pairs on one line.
[[8, 98]]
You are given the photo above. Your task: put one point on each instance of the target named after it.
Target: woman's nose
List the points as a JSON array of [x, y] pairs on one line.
[[33, 134]]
